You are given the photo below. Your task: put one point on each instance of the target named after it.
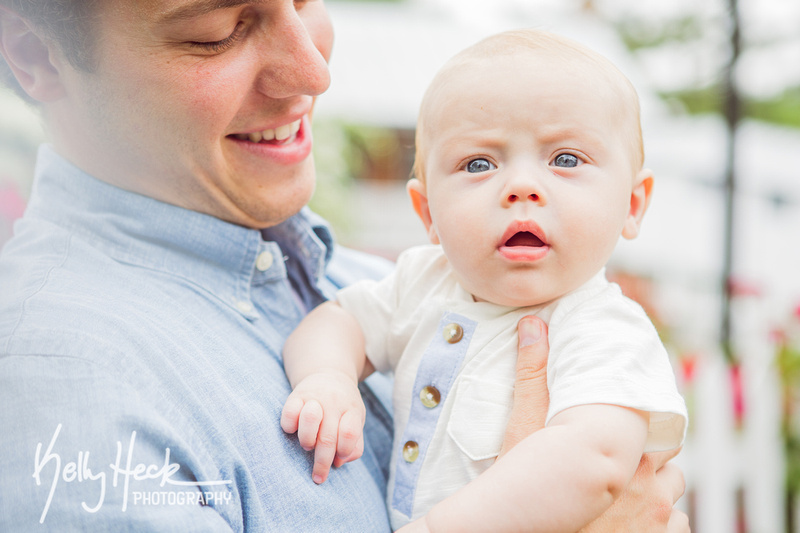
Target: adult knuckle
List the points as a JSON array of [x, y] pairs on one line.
[[662, 512], [529, 373], [679, 522], [646, 463], [680, 480]]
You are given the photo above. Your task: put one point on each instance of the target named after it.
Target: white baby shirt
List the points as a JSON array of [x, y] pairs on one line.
[[454, 363]]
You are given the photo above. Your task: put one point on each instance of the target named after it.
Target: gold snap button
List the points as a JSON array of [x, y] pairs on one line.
[[410, 451], [430, 396], [453, 333]]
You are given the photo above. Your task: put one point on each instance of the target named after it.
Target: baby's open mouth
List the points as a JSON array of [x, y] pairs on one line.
[[525, 238]]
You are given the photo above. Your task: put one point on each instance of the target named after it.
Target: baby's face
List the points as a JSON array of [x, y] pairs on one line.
[[530, 177]]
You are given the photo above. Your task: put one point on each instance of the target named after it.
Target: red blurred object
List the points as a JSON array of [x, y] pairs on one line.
[[11, 203], [778, 336], [737, 394], [742, 287], [688, 366]]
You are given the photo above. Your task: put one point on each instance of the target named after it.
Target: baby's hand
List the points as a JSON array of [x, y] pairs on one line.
[[327, 412]]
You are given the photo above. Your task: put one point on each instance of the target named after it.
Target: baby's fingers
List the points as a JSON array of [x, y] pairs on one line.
[[309, 424], [358, 452], [291, 414], [325, 450], [350, 445]]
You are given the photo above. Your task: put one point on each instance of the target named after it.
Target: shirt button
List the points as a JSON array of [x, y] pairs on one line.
[[410, 451], [430, 396], [453, 333], [244, 307], [264, 261]]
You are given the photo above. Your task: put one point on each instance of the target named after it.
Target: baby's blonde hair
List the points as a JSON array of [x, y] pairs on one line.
[[526, 40]]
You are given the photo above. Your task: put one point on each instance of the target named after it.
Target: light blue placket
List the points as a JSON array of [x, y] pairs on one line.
[[435, 376]]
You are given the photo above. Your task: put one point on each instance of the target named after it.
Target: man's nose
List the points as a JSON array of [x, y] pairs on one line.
[[292, 61]]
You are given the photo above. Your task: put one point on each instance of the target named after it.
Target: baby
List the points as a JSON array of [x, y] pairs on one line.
[[529, 169]]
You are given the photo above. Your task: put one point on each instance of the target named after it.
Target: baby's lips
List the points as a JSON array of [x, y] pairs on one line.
[[523, 233]]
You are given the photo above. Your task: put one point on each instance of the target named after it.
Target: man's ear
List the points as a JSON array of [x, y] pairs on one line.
[[419, 199], [29, 57], [640, 200]]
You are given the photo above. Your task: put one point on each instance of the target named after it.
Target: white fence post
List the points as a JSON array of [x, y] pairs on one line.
[[719, 459], [713, 469], [763, 463]]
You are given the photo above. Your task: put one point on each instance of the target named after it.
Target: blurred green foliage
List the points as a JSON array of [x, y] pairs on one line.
[[788, 361], [333, 162], [638, 34], [783, 109]]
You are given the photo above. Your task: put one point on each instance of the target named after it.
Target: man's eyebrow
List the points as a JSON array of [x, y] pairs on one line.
[[196, 8]]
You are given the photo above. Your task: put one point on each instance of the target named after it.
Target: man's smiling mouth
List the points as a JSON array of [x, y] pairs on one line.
[[281, 135]]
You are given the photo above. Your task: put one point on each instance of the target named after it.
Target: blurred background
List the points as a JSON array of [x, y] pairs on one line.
[[717, 265]]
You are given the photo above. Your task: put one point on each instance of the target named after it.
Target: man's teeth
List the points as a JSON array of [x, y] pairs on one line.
[[281, 133]]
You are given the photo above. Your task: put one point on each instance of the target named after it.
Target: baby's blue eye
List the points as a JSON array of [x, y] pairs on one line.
[[567, 161], [480, 165]]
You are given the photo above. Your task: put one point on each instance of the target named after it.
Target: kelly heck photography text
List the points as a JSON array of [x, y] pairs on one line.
[[125, 474]]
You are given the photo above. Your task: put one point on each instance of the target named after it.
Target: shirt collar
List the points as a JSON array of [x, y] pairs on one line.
[[141, 231]]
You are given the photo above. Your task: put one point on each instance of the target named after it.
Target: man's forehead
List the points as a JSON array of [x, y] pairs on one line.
[[167, 11]]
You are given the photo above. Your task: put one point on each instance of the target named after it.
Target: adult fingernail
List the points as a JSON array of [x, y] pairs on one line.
[[530, 331]]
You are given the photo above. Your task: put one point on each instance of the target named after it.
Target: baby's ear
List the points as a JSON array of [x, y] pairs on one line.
[[640, 200], [32, 59], [419, 199]]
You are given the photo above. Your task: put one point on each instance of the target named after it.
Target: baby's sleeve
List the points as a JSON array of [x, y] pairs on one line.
[[372, 304], [605, 350], [375, 306]]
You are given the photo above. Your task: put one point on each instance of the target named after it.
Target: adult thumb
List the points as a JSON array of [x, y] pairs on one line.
[[531, 398]]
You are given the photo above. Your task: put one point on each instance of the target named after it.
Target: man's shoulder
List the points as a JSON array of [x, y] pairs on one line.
[[61, 295]]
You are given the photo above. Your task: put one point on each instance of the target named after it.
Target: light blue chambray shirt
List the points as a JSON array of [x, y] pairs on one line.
[[141, 382]]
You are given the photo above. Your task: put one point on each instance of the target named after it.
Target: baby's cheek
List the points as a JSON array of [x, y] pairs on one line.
[[471, 272]]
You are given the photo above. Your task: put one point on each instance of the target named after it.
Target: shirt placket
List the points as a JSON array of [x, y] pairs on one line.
[[436, 374]]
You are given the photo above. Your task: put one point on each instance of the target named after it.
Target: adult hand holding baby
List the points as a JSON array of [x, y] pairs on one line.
[[647, 503]]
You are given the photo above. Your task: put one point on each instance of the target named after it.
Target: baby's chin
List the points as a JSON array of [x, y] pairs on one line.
[[512, 300], [518, 288]]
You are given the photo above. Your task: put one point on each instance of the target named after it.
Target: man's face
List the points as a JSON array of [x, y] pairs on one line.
[[201, 103]]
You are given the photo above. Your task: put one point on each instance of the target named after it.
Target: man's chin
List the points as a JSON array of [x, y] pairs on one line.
[[271, 213]]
